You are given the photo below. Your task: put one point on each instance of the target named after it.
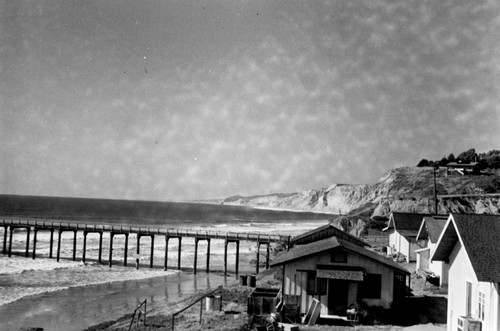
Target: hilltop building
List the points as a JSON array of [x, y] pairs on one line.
[[469, 243], [462, 168]]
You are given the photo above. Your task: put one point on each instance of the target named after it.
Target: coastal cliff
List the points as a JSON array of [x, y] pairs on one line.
[[408, 189]]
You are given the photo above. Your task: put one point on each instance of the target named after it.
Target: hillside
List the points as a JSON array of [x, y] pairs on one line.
[[408, 189]]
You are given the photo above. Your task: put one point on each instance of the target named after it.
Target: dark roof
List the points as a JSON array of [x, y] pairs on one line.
[[324, 232], [431, 228], [479, 237], [316, 247], [406, 221]]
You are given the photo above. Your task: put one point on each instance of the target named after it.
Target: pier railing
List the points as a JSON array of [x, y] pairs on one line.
[[148, 230]]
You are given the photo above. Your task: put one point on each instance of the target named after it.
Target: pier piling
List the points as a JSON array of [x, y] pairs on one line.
[[110, 261], [166, 252], [58, 246], [4, 249], [51, 245], [208, 255], [195, 254], [84, 245], [138, 251], [100, 247], [179, 254], [35, 230], [11, 230], [152, 251], [28, 229], [125, 254], [74, 244]]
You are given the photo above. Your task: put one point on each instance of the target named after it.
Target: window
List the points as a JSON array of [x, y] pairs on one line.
[[482, 300], [339, 257], [371, 287]]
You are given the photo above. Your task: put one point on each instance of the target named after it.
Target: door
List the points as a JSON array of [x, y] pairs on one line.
[[337, 297]]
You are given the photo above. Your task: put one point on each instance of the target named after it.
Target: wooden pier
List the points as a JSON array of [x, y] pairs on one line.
[[11, 225]]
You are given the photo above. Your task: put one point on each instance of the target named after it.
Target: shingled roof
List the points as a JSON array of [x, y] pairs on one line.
[[431, 228], [324, 232], [406, 221], [320, 246], [478, 234]]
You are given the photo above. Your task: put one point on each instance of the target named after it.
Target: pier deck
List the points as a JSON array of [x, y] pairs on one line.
[[35, 225]]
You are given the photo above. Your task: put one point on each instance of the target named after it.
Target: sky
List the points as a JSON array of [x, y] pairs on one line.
[[172, 100]]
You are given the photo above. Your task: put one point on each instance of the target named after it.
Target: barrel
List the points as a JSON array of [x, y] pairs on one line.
[[213, 303], [251, 280], [243, 280]]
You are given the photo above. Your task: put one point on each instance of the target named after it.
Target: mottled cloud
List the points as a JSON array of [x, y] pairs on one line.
[[136, 104]]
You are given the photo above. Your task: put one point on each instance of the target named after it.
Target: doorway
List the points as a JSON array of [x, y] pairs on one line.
[[337, 296]]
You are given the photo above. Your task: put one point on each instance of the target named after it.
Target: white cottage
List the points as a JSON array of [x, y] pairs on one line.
[[403, 229], [429, 232], [470, 244], [339, 273]]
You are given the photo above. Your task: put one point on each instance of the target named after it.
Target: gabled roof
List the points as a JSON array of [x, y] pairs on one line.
[[406, 221], [431, 228], [324, 232], [317, 247], [478, 234]]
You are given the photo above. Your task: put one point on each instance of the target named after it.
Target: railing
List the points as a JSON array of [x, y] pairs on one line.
[[192, 304], [124, 229], [138, 312]]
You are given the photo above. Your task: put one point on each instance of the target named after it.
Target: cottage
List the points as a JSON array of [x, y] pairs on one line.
[[429, 232], [339, 273], [403, 229], [469, 243]]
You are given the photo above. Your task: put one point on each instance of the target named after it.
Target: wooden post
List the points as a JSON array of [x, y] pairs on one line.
[[179, 254], [100, 247], [208, 254], [74, 244], [138, 251], [258, 255], [201, 311], [152, 251], [110, 261], [11, 230], [125, 254], [166, 252], [84, 245], [195, 254], [237, 256], [4, 250], [28, 230], [58, 254], [225, 257], [51, 246], [35, 230]]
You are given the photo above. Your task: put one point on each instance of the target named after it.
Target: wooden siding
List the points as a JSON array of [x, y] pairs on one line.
[[460, 272], [296, 279]]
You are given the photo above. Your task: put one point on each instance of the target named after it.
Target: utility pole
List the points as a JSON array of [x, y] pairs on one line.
[[435, 167]]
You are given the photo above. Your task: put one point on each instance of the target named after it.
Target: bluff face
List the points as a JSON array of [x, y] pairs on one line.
[[408, 189]]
